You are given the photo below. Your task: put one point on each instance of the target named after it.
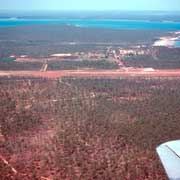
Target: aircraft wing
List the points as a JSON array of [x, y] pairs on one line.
[[169, 154]]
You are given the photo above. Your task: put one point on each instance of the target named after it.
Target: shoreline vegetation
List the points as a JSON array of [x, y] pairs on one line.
[[43, 40]]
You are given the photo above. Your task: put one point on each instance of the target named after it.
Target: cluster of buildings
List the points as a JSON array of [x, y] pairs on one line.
[[126, 52], [133, 52], [61, 56], [114, 53], [53, 57]]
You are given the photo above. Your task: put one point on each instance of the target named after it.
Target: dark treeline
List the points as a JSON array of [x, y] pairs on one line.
[[11, 64], [20, 66], [43, 40], [69, 65], [160, 58], [149, 61]]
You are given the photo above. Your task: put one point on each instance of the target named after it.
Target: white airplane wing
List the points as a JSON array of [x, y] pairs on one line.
[[169, 154]]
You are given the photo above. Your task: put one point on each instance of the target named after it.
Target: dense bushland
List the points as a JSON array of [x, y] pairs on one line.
[[88, 128]]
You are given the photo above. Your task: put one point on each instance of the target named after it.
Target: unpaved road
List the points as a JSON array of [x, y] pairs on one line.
[[94, 73]]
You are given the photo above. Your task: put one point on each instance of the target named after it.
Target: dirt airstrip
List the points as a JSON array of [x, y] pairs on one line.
[[94, 73]]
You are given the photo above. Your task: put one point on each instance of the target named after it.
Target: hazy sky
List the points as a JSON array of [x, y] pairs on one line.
[[171, 5]]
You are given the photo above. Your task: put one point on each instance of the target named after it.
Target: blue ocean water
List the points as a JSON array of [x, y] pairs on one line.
[[177, 43], [114, 24], [97, 23]]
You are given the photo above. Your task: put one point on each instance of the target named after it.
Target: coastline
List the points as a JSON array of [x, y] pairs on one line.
[[169, 41]]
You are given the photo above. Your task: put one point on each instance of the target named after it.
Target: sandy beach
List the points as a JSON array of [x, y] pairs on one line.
[[168, 40]]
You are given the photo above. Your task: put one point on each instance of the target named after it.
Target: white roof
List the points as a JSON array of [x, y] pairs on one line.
[[60, 55]]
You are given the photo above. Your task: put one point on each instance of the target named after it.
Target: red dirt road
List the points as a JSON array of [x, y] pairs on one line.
[[94, 73]]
